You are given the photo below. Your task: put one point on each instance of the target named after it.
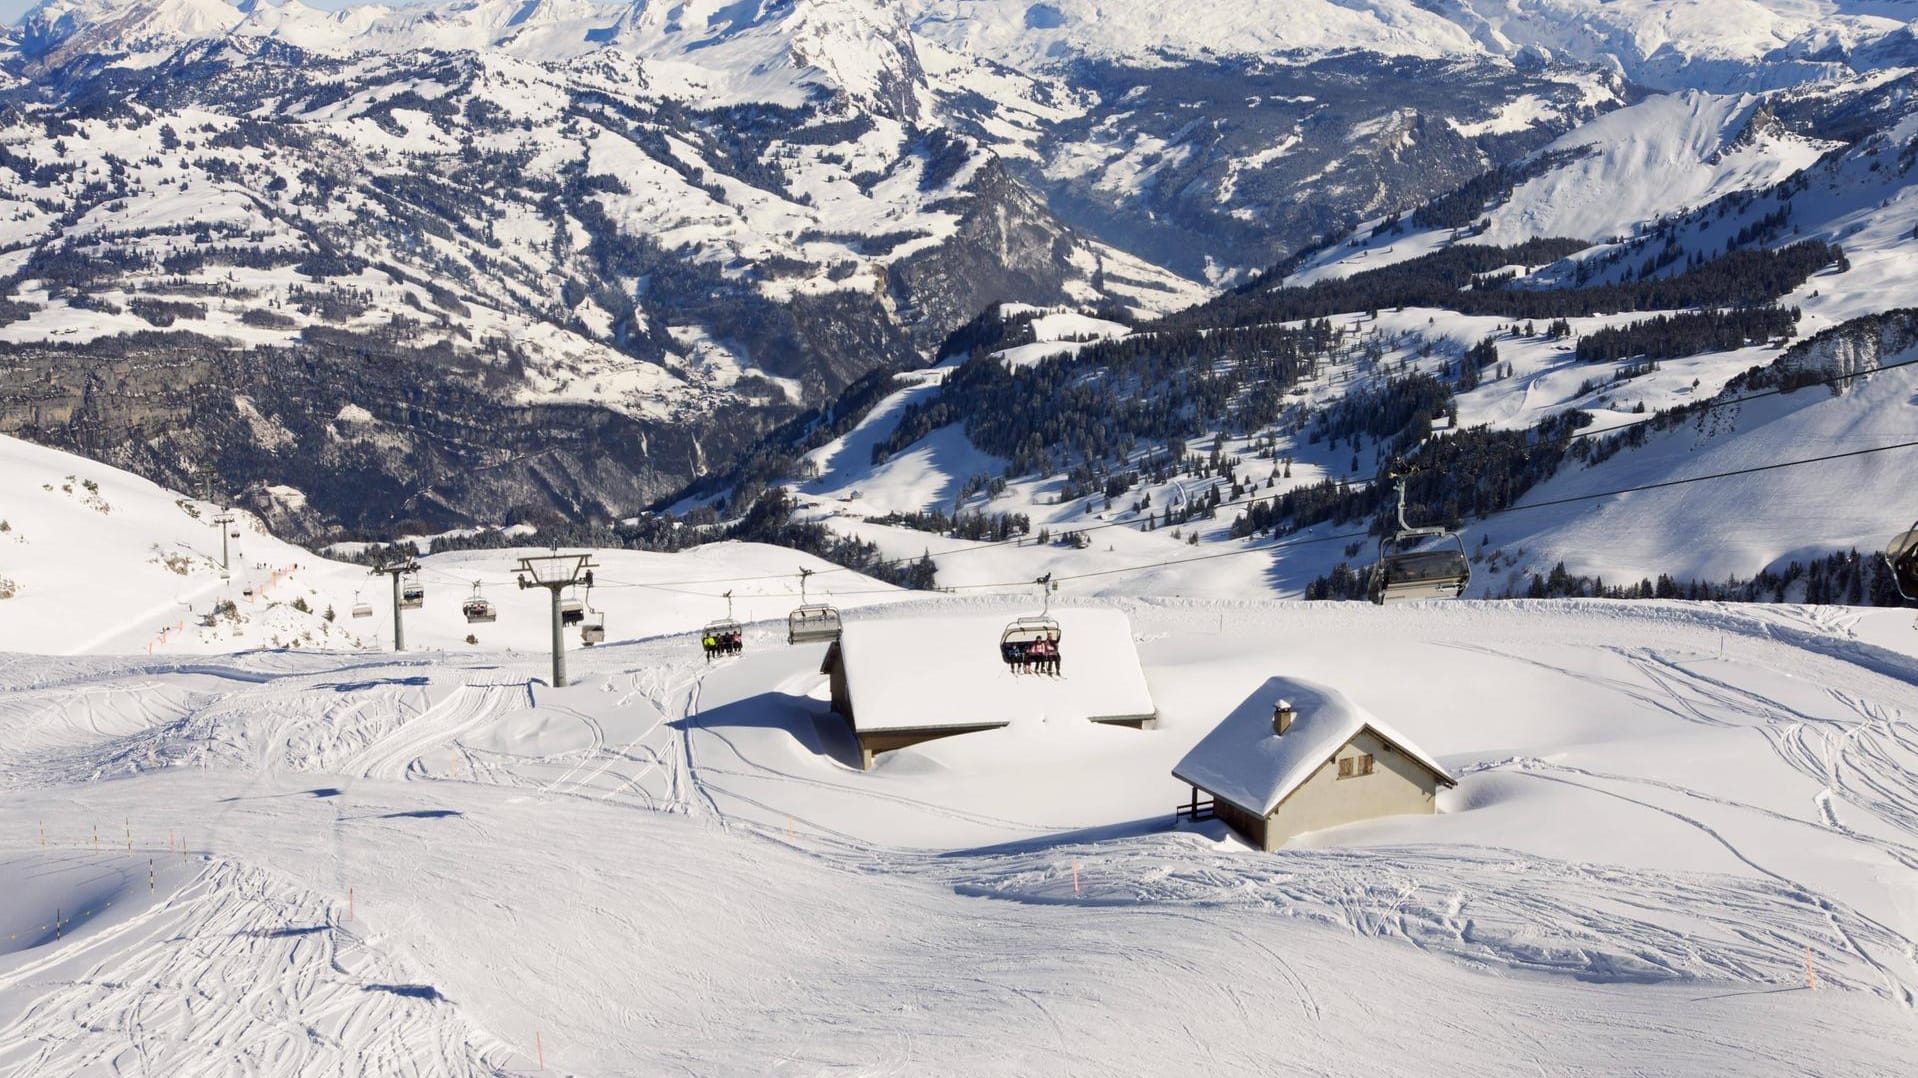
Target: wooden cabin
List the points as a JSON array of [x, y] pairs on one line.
[[1297, 757]]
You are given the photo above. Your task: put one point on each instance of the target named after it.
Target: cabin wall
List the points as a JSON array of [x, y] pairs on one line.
[[1250, 825], [1398, 786], [879, 741], [841, 690]]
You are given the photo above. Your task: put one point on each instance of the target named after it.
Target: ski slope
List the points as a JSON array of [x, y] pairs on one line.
[[125, 566], [416, 865]]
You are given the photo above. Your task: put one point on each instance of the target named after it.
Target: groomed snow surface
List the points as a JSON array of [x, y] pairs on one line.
[[405, 865], [220, 857]]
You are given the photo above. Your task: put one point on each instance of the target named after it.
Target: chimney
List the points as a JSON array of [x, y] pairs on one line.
[[1282, 714]]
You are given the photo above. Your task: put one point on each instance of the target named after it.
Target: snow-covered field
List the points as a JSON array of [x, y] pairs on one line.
[[1684, 839], [410, 865]]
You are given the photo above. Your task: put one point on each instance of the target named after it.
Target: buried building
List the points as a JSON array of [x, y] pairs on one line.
[[1298, 756], [901, 681]]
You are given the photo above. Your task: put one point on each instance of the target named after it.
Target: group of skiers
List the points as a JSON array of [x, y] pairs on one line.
[[721, 643], [1039, 656]]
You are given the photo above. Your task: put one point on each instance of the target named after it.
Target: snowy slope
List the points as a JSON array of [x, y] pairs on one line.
[[1666, 155], [1711, 44], [446, 867], [126, 566], [1746, 523]]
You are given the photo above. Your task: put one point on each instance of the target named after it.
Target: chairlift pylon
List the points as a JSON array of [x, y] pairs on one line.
[[1032, 643], [1404, 573], [477, 608], [810, 622]]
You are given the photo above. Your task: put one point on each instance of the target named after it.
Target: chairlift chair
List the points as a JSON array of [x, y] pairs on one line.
[[1016, 642], [477, 609], [571, 612], [412, 595], [723, 636], [1405, 572], [593, 630], [1902, 555], [811, 623]]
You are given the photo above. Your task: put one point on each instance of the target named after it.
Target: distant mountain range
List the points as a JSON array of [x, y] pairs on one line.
[[509, 259]]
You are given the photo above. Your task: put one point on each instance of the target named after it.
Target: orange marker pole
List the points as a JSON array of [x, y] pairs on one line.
[[1075, 877]]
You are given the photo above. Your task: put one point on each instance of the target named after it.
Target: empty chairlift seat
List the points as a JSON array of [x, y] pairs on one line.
[[1421, 574], [1409, 568], [813, 624], [1902, 554]]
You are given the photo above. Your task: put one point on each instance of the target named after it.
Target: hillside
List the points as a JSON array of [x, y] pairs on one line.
[[679, 867], [94, 560], [1536, 336]]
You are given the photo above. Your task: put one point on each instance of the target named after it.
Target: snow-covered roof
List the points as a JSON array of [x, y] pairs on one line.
[[1245, 763], [942, 672]]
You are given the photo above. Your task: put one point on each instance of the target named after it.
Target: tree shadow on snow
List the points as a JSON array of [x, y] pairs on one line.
[[810, 723], [410, 991]]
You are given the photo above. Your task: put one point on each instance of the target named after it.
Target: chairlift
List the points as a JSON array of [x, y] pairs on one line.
[[477, 609], [811, 623], [571, 612], [1902, 555], [723, 636], [593, 631], [1033, 642], [1405, 572], [412, 594]]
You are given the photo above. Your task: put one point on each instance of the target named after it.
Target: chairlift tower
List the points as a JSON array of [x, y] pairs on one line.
[[556, 572], [223, 522], [397, 570]]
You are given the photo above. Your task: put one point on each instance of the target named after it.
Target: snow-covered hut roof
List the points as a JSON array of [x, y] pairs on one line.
[[943, 672], [1245, 763]]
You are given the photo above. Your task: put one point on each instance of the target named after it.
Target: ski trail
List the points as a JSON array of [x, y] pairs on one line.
[[236, 974]]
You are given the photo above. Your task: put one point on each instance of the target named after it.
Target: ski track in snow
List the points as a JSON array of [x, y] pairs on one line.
[[183, 980], [241, 973]]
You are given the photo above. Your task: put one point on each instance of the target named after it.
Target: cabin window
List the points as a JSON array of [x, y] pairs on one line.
[[1354, 766]]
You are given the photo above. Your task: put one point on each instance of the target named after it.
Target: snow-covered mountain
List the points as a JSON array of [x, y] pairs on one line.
[[496, 259], [1476, 338]]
